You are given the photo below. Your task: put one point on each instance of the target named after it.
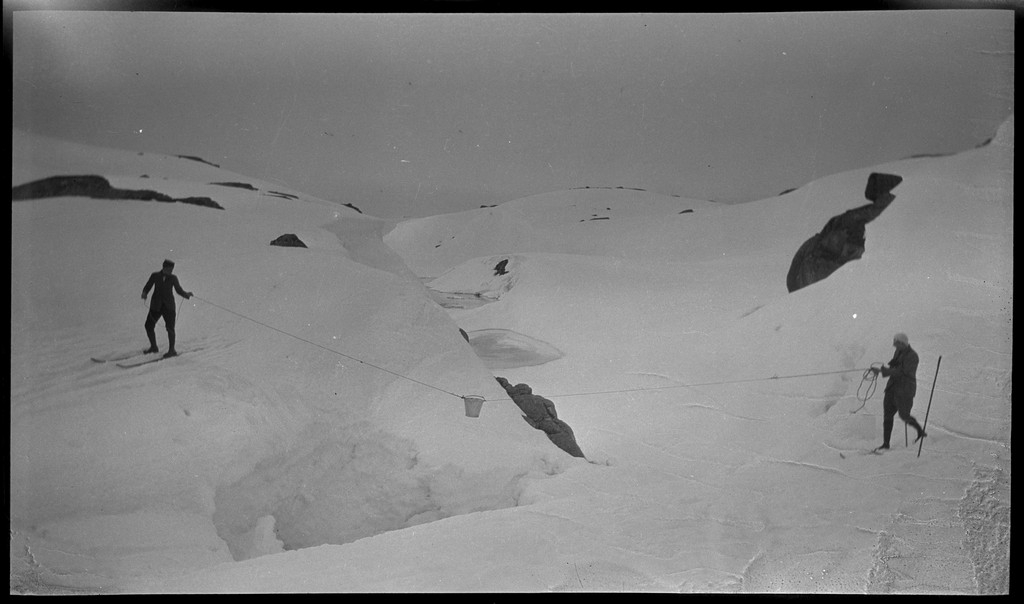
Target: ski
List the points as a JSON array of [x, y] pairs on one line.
[[875, 451], [148, 360], [844, 452], [117, 356]]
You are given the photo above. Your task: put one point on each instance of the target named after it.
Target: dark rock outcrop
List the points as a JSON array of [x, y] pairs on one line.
[[499, 269], [540, 413], [880, 186], [237, 185], [288, 240], [96, 187], [198, 159], [281, 195], [842, 239]]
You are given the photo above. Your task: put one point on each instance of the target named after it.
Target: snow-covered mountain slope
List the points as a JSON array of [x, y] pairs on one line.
[[317, 399], [948, 229], [714, 308], [626, 224], [604, 222], [720, 411]]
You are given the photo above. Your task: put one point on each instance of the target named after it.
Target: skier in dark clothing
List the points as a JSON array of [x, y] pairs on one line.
[[162, 283], [901, 388]]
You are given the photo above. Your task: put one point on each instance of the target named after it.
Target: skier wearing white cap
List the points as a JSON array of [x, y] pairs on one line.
[[901, 388]]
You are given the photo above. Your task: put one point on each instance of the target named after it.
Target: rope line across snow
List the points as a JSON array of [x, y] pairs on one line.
[[310, 342], [622, 391], [626, 390]]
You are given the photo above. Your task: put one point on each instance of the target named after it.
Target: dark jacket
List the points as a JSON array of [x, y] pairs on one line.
[[902, 372], [162, 285]]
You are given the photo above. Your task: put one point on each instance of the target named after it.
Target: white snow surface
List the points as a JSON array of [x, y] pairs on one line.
[[311, 438]]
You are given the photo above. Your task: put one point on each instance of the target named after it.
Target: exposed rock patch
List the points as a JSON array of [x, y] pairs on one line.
[[617, 187], [96, 187], [540, 413], [842, 239], [280, 194], [924, 155], [288, 240], [237, 185], [198, 159], [880, 186]]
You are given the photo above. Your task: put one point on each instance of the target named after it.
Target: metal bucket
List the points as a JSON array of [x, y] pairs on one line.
[[473, 405]]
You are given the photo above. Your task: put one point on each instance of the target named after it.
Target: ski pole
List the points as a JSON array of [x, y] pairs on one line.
[[928, 410]]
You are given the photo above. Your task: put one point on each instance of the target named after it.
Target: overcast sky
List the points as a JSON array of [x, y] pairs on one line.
[[415, 114]]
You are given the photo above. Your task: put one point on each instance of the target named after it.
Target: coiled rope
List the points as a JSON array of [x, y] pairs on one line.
[[871, 379], [595, 393]]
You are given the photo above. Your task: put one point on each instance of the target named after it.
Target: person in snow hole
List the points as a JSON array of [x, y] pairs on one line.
[[162, 282], [901, 388]]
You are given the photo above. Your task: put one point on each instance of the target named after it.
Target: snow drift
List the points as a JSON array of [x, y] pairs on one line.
[[716, 407], [258, 438]]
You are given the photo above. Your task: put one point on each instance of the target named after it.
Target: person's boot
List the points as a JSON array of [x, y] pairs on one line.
[[170, 345], [883, 447], [920, 431]]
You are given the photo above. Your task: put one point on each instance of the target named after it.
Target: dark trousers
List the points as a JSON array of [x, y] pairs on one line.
[[167, 312], [891, 406]]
